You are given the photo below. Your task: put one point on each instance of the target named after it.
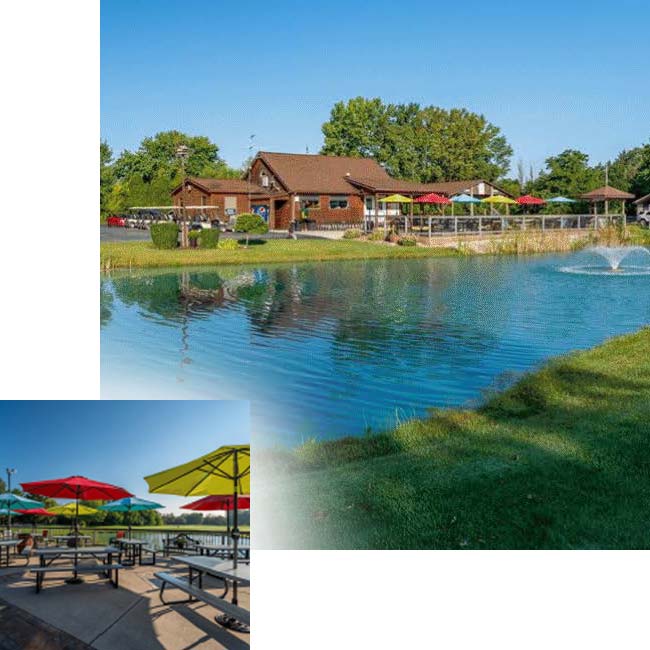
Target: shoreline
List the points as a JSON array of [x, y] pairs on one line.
[[131, 255], [545, 463]]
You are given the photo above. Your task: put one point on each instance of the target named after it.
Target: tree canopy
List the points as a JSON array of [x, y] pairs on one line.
[[418, 143], [148, 175]]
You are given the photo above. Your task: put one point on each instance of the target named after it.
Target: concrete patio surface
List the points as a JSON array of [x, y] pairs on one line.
[[96, 615]]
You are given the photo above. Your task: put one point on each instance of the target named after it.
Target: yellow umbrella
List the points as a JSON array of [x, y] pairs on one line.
[[497, 198], [502, 200], [224, 471], [70, 510], [396, 198]]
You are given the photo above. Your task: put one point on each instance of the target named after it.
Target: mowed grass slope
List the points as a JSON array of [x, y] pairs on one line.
[[561, 460], [143, 254]]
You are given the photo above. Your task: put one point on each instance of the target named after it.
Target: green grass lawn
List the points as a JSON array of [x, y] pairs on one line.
[[560, 460], [143, 254]]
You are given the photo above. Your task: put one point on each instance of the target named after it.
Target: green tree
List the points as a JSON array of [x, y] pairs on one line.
[[568, 174], [417, 143], [148, 175], [106, 177], [251, 224]]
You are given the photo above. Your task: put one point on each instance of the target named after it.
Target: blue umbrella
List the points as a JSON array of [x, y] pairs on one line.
[[561, 199], [10, 501], [464, 198], [130, 504]]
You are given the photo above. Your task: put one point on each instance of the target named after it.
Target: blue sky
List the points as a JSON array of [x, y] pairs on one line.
[[117, 442], [552, 75]]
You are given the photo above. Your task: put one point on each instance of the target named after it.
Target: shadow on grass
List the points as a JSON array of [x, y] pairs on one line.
[[252, 242]]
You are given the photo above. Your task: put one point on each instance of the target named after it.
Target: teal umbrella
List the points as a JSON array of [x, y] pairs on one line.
[[10, 502], [130, 504], [464, 198], [560, 199]]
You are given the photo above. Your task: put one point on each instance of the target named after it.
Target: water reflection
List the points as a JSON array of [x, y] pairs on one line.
[[333, 348]]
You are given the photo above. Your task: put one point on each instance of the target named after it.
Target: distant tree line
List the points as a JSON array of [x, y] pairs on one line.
[[413, 142]]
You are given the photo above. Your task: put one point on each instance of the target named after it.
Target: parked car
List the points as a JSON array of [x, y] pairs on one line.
[[643, 219], [116, 221]]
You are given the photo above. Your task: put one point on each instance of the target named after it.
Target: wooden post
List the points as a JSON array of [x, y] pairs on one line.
[[456, 226], [543, 222]]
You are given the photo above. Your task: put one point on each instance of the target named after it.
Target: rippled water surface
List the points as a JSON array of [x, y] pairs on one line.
[[336, 348]]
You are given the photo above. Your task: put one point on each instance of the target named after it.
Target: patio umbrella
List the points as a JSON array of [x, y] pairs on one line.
[[130, 504], [432, 198], [224, 471], [499, 199], [560, 199], [75, 487], [36, 512], [527, 199], [464, 198], [395, 198], [220, 502], [11, 502], [73, 510]]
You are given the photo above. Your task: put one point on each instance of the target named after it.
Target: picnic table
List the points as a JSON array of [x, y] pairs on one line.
[[133, 550], [217, 568], [104, 554], [5, 548], [234, 616], [223, 549]]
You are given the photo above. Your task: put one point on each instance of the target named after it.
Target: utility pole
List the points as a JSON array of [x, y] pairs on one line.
[[251, 145], [183, 153], [10, 471]]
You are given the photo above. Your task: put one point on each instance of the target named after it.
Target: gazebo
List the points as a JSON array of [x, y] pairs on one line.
[[604, 195]]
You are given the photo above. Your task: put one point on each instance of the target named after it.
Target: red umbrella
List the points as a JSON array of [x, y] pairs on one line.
[[76, 487], [39, 512], [220, 502], [527, 199], [432, 198]]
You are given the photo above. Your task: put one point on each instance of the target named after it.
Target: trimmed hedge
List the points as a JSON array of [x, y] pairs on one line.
[[164, 235], [209, 238]]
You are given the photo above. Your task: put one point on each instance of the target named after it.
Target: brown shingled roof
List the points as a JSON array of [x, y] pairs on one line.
[[643, 199], [606, 193], [234, 185], [315, 174]]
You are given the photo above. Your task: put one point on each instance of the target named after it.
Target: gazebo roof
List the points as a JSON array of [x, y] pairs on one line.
[[606, 193]]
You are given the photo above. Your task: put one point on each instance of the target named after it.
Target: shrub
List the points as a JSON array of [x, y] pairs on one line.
[[164, 235], [352, 233], [228, 245], [377, 235], [251, 224], [407, 240], [209, 238], [193, 234]]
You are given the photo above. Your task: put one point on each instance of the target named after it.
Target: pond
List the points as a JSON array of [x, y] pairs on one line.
[[328, 349]]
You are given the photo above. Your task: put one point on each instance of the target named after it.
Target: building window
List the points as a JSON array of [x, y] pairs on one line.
[[265, 180], [370, 204], [338, 202], [307, 202], [203, 200]]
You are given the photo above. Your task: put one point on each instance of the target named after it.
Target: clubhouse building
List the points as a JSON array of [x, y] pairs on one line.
[[329, 191]]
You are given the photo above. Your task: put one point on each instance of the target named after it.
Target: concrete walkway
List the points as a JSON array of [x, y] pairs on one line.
[[95, 615]]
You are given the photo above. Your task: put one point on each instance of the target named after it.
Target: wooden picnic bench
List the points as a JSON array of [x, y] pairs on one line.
[[196, 593], [111, 571]]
